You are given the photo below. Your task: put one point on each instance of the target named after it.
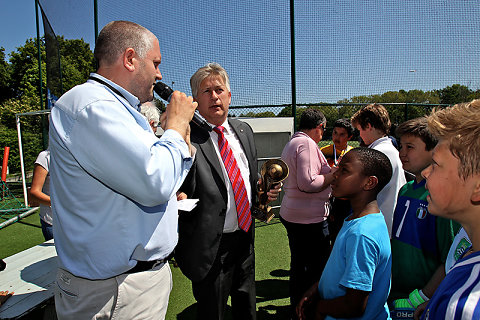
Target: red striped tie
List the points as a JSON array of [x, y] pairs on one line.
[[239, 191]]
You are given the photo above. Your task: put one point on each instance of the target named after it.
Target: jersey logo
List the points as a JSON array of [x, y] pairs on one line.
[[460, 249], [422, 212]]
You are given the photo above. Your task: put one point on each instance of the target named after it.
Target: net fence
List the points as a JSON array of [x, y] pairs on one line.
[[342, 48], [345, 52]]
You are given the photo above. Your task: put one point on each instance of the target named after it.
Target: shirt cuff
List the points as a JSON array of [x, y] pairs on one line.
[[175, 137]]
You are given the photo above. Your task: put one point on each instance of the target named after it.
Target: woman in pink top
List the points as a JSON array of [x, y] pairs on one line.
[[305, 206]]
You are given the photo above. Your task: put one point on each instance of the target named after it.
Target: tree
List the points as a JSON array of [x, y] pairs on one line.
[[21, 78], [454, 94], [265, 114], [77, 61], [31, 131], [24, 64], [474, 95], [76, 58], [5, 77], [285, 112]]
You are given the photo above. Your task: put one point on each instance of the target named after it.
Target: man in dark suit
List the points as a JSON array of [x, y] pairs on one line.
[[216, 239]]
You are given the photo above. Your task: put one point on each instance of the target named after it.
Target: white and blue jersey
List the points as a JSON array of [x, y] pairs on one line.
[[458, 295]]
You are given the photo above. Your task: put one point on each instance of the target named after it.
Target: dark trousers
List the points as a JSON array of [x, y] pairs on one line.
[[309, 251], [47, 230], [232, 274]]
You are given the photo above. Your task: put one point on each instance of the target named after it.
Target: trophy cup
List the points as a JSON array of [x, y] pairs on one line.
[[272, 172]]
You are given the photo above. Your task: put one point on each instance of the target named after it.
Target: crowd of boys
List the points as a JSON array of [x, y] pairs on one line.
[[423, 271]]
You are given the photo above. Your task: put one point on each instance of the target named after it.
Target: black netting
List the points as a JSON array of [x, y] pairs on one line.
[[343, 48]]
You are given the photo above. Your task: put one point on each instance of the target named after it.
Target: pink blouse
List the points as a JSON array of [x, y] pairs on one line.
[[305, 200]]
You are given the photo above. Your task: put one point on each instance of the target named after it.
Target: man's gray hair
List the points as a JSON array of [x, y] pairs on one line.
[[151, 112], [209, 69], [117, 36]]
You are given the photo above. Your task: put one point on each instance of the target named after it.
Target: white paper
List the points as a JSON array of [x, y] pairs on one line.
[[187, 204]]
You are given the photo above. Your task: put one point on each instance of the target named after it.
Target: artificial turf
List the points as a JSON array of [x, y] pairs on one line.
[[272, 258]]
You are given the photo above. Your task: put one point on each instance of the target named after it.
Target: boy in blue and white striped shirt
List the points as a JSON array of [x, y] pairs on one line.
[[453, 181]]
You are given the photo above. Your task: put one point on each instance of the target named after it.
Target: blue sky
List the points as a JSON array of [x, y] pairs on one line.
[[17, 22], [343, 48]]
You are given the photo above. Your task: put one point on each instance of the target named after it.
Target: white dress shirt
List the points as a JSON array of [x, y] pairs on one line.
[[231, 218]]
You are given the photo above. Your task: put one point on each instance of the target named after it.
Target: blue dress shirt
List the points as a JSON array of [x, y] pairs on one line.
[[113, 183]]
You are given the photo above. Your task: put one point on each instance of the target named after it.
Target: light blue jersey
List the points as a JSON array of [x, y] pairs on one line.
[[361, 260]]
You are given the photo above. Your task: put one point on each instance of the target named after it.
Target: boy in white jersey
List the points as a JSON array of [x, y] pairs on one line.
[[373, 124]]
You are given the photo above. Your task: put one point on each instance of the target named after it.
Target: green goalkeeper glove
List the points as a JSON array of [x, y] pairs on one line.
[[404, 308]]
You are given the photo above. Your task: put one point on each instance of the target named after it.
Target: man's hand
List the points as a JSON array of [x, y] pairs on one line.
[[181, 196], [4, 295], [273, 193], [178, 115]]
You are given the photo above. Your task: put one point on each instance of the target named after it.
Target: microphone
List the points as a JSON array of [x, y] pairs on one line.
[[165, 92]]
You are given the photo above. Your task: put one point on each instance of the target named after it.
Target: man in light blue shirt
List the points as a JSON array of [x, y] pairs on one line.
[[114, 183]]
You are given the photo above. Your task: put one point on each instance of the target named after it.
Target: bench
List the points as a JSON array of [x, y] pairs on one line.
[[31, 275]]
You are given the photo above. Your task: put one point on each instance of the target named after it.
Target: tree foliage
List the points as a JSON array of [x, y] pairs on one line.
[[20, 92], [22, 76], [24, 69], [5, 77], [457, 93], [77, 61]]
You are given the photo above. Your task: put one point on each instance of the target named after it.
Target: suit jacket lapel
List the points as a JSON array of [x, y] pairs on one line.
[[205, 144], [242, 136]]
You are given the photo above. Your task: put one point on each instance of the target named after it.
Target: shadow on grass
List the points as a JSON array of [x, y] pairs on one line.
[[280, 273], [272, 290], [268, 290], [273, 312], [188, 313], [35, 225], [263, 313]]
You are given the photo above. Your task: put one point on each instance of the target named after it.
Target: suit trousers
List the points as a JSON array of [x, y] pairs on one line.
[[141, 295], [309, 251], [232, 274]]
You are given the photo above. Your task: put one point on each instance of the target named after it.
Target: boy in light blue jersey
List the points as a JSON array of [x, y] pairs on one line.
[[356, 280], [453, 182]]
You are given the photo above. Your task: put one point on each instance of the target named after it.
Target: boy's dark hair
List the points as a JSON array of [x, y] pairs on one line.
[[344, 123], [375, 163], [418, 127], [374, 114], [310, 119]]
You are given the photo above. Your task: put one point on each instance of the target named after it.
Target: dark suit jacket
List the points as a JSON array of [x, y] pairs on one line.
[[200, 230]]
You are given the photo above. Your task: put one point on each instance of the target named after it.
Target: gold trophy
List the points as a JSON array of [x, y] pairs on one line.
[[272, 172]]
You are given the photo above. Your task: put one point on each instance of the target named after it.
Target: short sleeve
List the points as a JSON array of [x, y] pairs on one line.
[[361, 262]]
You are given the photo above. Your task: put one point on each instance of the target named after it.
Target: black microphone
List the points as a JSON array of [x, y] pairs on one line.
[[165, 92]]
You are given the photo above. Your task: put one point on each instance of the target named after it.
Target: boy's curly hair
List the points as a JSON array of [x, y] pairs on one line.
[[375, 163]]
